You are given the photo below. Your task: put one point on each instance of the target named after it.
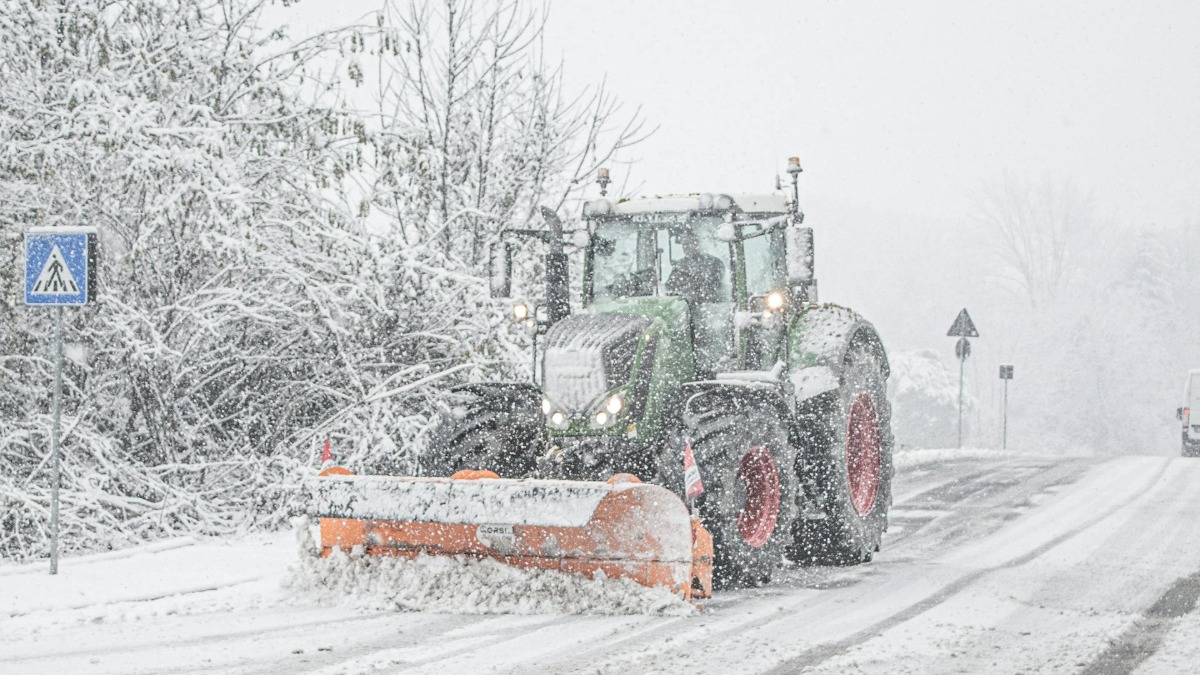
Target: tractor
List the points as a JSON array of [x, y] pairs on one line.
[[698, 332]]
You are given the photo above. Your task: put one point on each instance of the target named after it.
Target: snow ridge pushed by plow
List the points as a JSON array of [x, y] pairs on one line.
[[463, 585]]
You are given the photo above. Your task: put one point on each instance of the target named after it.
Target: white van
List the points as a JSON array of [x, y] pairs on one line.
[[1189, 414]]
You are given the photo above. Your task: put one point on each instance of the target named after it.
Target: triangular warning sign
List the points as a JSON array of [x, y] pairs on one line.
[[55, 278], [963, 326]]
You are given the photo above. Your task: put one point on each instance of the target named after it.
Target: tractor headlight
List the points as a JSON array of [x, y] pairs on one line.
[[608, 412], [615, 404], [556, 417], [520, 311], [776, 301]]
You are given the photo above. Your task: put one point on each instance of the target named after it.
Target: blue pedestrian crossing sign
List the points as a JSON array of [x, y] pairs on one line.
[[60, 266]]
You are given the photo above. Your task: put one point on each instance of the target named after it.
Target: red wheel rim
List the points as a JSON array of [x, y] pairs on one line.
[[759, 514], [862, 453]]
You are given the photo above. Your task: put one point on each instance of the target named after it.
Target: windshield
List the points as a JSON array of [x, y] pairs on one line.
[[659, 255]]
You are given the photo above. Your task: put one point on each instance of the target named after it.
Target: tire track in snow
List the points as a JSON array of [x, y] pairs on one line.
[[1143, 639], [145, 549], [484, 653], [147, 597], [370, 657], [177, 642], [824, 652], [999, 501]]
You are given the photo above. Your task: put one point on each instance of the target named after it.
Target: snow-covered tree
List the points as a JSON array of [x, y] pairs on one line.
[[174, 127], [469, 130], [1098, 323], [924, 394], [1039, 233], [279, 264]]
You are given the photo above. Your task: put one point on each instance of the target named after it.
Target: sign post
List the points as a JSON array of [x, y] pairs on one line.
[[1006, 374], [60, 271], [962, 328]]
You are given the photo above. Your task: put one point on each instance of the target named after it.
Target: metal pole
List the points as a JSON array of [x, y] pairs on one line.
[[54, 471], [535, 380], [962, 360], [1004, 441]]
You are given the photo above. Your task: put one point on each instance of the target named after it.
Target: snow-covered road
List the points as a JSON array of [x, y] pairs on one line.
[[994, 563]]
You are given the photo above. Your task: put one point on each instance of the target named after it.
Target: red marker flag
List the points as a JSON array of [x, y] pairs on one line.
[[694, 487], [327, 453]]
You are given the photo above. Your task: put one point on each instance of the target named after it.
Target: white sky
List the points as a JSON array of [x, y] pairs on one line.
[[905, 105], [898, 111]]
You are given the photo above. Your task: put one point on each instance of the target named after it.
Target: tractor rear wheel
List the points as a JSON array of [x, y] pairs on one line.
[[847, 469], [745, 462]]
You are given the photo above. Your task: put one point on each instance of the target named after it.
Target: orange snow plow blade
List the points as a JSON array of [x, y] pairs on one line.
[[618, 529]]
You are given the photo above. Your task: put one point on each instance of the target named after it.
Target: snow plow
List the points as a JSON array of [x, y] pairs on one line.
[[620, 528], [699, 360]]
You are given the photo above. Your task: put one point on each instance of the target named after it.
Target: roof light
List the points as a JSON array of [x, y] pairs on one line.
[[603, 180]]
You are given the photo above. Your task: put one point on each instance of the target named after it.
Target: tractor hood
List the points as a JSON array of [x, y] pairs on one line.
[[594, 352], [588, 355]]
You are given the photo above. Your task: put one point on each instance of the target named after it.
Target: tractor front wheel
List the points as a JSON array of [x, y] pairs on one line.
[[745, 462]]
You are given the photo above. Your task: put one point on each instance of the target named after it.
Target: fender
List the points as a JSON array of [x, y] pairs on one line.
[[699, 399], [818, 342]]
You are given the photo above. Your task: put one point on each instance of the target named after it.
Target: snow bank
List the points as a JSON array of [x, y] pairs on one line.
[[462, 585]]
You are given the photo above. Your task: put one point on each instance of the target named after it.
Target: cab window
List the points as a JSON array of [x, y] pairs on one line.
[[764, 269]]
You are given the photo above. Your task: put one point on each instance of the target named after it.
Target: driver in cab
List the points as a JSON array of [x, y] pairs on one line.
[[697, 276]]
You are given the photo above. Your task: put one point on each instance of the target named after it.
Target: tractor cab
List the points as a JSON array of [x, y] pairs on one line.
[[719, 254]]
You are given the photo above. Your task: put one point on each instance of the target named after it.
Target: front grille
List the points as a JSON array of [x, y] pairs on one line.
[[589, 354]]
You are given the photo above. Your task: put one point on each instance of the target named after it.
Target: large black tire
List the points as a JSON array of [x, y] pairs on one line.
[[494, 427], [741, 448], [846, 470]]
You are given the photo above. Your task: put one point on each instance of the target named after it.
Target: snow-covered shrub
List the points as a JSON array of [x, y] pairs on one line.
[[924, 395]]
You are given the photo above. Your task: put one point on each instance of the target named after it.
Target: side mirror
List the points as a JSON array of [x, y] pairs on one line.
[[500, 269], [800, 255]]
